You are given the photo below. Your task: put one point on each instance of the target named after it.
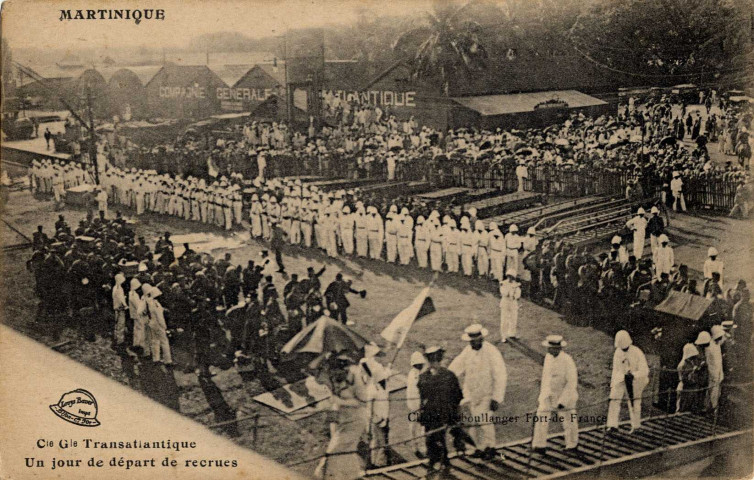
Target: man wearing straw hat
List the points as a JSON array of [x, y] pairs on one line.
[[557, 396], [630, 376], [484, 381]]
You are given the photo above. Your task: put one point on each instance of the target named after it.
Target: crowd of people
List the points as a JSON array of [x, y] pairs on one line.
[[189, 310], [638, 142], [465, 399], [173, 306]]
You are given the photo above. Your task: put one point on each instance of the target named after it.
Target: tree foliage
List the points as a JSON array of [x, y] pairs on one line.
[[665, 37], [446, 45]]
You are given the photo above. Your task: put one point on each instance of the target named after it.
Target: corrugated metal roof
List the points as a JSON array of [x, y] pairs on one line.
[[684, 305], [490, 105]]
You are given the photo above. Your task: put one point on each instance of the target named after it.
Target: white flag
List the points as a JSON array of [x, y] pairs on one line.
[[398, 328]]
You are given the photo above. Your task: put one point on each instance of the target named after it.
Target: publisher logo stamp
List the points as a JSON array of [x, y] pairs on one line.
[[78, 407]]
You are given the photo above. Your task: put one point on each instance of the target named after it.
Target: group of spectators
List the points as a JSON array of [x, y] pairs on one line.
[[189, 309]]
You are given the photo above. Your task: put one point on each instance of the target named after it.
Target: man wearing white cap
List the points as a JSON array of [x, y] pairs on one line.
[[405, 237], [375, 233], [558, 395], [618, 252], [120, 305], [497, 252], [512, 247], [676, 188], [638, 225], [713, 264], [346, 230], [714, 357], [452, 246], [522, 173], [510, 293], [413, 402], [102, 201], [664, 257], [655, 228], [380, 414], [360, 235], [630, 376], [391, 235], [159, 344], [469, 246], [483, 249], [436, 243], [484, 381], [137, 309], [421, 241]]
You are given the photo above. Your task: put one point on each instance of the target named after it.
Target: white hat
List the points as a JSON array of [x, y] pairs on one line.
[[704, 338], [663, 238], [728, 325], [717, 331], [493, 226], [417, 358], [479, 225], [640, 211], [513, 228], [712, 252], [474, 331], [472, 211], [433, 349], [616, 239], [655, 210], [510, 272], [554, 341], [623, 340], [531, 231]]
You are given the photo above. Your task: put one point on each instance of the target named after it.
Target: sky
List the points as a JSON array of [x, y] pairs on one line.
[[35, 23]]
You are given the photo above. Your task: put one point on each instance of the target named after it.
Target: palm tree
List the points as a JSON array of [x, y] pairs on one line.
[[446, 46]]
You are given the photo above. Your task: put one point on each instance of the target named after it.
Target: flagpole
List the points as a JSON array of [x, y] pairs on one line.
[[399, 347]]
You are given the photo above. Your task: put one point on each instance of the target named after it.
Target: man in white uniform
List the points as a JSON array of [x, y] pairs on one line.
[[484, 380], [638, 225], [413, 402], [558, 396], [630, 376], [714, 356], [712, 264], [665, 257], [510, 293]]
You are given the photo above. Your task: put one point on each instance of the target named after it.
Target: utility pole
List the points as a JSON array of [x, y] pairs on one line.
[[92, 137]]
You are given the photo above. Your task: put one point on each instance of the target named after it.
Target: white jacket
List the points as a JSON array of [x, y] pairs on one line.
[[632, 361], [559, 382], [484, 372]]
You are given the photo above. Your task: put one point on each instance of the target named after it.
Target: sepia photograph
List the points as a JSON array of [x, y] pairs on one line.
[[352, 239]]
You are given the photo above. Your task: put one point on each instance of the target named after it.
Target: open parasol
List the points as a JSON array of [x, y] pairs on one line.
[[324, 335]]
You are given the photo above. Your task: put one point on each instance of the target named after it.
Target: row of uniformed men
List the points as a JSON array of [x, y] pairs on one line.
[[219, 203], [332, 224], [47, 176]]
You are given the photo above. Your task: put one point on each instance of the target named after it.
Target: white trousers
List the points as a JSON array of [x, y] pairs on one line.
[[638, 244], [160, 346], [617, 394], [483, 434], [508, 319], [542, 427]]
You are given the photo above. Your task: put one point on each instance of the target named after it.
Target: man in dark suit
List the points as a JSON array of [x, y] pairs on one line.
[[440, 395]]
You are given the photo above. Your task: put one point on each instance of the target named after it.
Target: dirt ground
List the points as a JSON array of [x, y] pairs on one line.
[[459, 302]]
